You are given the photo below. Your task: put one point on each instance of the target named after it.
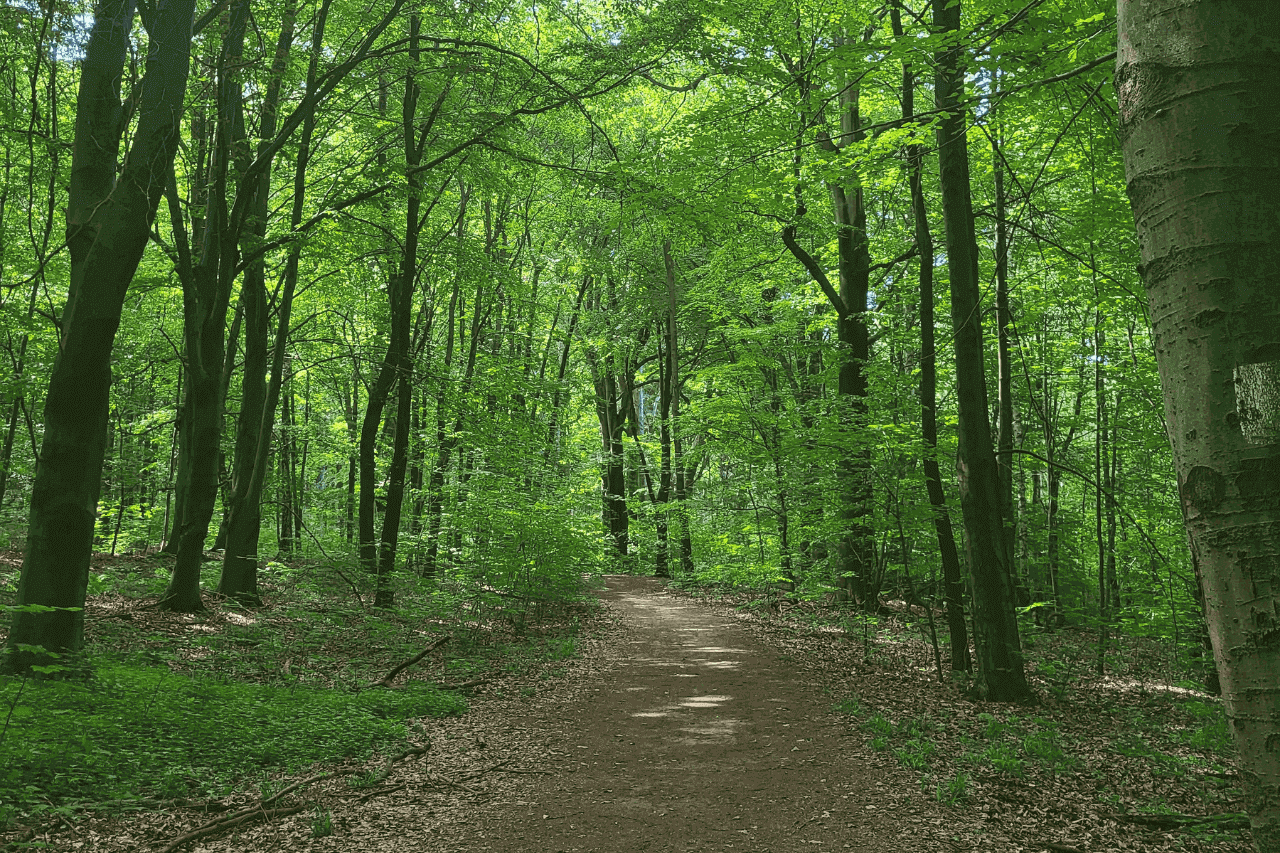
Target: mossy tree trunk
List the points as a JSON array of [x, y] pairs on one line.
[[108, 226]]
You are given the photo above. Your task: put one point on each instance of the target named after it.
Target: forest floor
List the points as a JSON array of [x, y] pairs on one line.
[[687, 723]]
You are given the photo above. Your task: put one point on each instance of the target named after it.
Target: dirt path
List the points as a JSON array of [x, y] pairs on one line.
[[674, 729], [696, 739]]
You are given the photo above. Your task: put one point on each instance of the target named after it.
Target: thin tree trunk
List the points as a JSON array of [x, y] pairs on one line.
[[1000, 667], [244, 517], [952, 574], [206, 294], [1004, 385]]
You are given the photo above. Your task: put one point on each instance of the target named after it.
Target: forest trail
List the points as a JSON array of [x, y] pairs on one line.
[[696, 738]]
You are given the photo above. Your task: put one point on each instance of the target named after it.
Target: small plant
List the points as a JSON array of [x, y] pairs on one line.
[[321, 823], [848, 706], [878, 725], [1212, 734], [915, 754], [1002, 757], [1043, 747], [366, 780], [994, 727], [954, 791], [879, 744]]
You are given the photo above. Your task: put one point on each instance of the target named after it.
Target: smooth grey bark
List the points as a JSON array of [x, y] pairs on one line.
[[1001, 676], [108, 225], [1200, 133]]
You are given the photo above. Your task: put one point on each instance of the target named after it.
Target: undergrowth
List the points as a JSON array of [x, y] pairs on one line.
[[138, 730], [169, 706]]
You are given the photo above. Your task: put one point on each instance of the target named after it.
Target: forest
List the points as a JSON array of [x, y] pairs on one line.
[[343, 336]]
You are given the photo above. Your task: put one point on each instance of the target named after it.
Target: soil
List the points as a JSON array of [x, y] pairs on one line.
[[695, 738], [679, 725]]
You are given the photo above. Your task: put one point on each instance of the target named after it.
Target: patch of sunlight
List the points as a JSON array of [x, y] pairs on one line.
[[704, 701]]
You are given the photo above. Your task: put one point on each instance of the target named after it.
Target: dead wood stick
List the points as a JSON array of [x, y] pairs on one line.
[[1231, 820], [477, 774], [475, 682], [386, 680], [1060, 848], [379, 793], [401, 756], [302, 783], [229, 822]]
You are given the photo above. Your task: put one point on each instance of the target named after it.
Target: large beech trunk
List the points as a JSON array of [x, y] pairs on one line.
[[107, 230], [1001, 676], [1200, 130]]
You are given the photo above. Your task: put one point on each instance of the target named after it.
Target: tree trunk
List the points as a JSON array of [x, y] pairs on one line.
[[1004, 385], [108, 225], [1200, 130], [952, 575], [1001, 676]]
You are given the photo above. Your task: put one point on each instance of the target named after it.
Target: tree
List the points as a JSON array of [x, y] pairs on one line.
[[1000, 670], [108, 223], [1200, 130]]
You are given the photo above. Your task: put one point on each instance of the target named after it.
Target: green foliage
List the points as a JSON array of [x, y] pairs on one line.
[[137, 730], [1003, 758], [953, 791], [1209, 731], [915, 753], [321, 823]]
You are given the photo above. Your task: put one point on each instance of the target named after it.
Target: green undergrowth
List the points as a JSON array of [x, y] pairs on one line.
[[184, 706], [138, 730]]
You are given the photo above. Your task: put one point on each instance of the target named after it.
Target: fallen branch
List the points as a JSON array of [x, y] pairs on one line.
[[401, 756], [475, 682], [291, 788], [401, 667], [379, 793], [230, 822], [479, 773], [1232, 820]]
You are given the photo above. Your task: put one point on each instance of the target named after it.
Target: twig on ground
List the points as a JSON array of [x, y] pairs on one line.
[[379, 793], [386, 680], [230, 822], [225, 822], [480, 773], [1231, 820], [302, 783]]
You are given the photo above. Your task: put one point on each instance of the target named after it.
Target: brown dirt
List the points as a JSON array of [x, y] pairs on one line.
[[674, 729], [696, 738]]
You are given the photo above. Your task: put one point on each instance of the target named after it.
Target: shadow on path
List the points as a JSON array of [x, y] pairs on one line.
[[697, 738]]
